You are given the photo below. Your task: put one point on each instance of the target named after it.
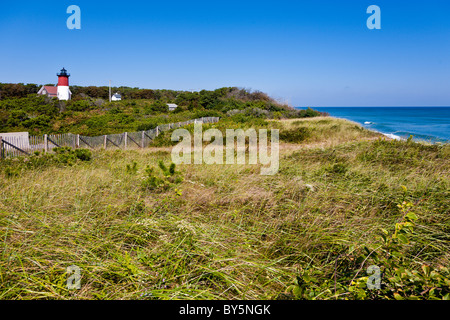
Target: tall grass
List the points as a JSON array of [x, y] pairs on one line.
[[225, 231]]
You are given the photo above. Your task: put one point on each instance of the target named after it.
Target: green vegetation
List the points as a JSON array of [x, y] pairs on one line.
[[400, 280], [64, 156], [89, 112], [344, 199], [155, 183]]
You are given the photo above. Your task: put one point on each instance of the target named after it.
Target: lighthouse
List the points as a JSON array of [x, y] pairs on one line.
[[63, 92]]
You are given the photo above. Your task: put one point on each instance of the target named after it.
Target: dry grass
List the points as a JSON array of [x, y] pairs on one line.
[[225, 232]]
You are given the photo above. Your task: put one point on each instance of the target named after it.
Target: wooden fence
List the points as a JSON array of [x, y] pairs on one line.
[[19, 146]]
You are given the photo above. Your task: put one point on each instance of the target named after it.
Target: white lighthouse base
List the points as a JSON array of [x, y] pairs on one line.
[[64, 93]]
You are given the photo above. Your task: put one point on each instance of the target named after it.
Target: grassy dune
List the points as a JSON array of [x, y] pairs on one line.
[[225, 231]]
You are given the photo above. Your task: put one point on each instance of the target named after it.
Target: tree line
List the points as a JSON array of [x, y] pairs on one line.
[[90, 112], [20, 90]]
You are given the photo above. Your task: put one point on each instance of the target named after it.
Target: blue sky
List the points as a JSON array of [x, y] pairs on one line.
[[307, 53]]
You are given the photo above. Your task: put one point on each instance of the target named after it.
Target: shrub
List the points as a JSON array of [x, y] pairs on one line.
[[115, 110], [296, 135], [399, 281], [150, 125], [338, 168], [41, 122], [61, 156], [11, 172], [152, 182], [308, 113], [206, 113], [78, 105], [69, 156], [16, 117], [132, 168], [170, 178], [159, 106], [83, 154]]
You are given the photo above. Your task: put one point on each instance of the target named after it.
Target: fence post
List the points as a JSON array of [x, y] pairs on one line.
[[104, 141], [157, 130], [143, 137], [126, 138], [77, 142], [45, 143], [1, 148]]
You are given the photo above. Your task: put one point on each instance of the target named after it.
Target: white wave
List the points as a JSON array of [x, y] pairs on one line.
[[367, 122], [392, 136], [389, 135]]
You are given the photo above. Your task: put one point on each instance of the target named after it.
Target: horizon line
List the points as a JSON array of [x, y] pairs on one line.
[[372, 106]]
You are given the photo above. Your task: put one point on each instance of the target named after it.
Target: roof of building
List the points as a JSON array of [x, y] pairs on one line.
[[51, 90]]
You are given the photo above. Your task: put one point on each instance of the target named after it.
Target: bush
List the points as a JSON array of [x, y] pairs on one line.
[[16, 117], [132, 168], [115, 110], [78, 105], [338, 168], [83, 154], [295, 135], [248, 119], [308, 113], [398, 280], [155, 183], [206, 113], [149, 125], [69, 156], [159, 106], [61, 156], [41, 122]]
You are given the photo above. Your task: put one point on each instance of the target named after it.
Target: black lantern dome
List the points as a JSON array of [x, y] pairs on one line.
[[63, 73]]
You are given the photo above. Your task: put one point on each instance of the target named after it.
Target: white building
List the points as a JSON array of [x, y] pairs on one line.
[[116, 97], [172, 106], [50, 91]]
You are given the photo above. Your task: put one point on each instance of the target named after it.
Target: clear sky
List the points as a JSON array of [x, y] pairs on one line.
[[307, 53]]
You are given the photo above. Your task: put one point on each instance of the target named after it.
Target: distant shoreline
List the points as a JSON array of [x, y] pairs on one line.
[[425, 124], [391, 136]]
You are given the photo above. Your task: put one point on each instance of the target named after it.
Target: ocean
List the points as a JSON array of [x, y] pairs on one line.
[[431, 124]]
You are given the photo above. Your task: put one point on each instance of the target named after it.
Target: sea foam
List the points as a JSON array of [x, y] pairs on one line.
[[392, 136]]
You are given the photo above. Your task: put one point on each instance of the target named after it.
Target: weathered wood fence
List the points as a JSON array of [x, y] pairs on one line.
[[19, 146]]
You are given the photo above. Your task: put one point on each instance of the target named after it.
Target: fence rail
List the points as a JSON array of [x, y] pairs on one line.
[[18, 146]]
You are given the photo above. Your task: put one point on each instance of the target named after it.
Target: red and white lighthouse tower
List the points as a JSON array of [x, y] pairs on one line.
[[63, 85]]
